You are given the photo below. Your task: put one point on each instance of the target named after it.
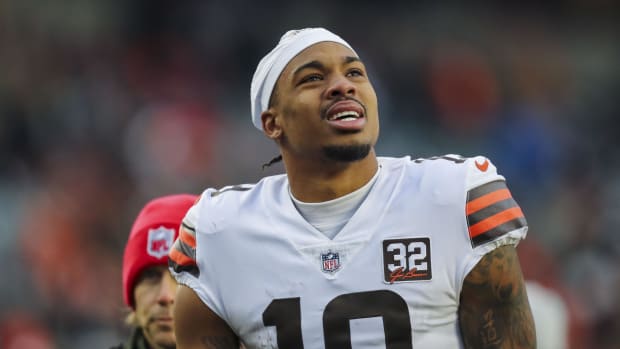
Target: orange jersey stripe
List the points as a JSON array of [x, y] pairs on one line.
[[187, 238], [495, 220], [180, 258], [487, 200]]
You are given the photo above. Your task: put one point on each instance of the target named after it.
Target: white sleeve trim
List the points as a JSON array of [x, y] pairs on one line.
[[187, 279], [511, 238]]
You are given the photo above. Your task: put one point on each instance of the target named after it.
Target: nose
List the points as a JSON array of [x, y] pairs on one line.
[[167, 289], [340, 86]]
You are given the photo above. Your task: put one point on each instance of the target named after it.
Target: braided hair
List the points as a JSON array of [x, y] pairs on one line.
[[272, 161]]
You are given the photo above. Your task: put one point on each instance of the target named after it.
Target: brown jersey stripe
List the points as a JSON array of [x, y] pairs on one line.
[[185, 249], [188, 227], [178, 256], [181, 263], [486, 212], [486, 200], [187, 237], [178, 268], [484, 189], [494, 221], [498, 231]]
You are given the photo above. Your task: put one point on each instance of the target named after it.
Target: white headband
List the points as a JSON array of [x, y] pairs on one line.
[[272, 65]]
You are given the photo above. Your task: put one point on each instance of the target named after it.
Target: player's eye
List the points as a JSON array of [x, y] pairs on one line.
[[355, 72], [311, 78]]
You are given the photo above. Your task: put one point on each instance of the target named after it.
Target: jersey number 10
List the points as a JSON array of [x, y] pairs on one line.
[[285, 315]]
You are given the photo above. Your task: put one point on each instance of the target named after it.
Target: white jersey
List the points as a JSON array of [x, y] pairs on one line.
[[391, 278]]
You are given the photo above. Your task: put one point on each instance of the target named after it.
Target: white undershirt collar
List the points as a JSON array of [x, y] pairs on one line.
[[330, 216]]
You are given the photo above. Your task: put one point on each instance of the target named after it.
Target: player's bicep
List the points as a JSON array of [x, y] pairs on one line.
[[197, 326], [494, 311]]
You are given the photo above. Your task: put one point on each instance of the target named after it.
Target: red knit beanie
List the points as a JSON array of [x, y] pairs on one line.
[[151, 237]]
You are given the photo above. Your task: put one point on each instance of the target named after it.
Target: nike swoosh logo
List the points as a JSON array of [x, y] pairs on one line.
[[483, 166]]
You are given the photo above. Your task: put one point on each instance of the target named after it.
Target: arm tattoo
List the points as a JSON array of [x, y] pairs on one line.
[[494, 310], [219, 342]]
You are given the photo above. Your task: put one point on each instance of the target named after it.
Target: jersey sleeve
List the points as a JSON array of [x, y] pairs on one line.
[[184, 259], [493, 216], [182, 255]]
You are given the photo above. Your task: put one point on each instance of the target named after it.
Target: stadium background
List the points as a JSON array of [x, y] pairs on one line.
[[105, 104]]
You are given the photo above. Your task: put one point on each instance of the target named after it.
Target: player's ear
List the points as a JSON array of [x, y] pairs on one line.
[[271, 124]]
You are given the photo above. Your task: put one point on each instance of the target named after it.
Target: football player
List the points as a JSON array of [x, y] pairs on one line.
[[348, 249]]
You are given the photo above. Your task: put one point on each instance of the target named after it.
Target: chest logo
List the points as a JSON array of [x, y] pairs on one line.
[[330, 261], [406, 260]]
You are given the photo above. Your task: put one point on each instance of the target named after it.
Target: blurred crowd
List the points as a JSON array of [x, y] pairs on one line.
[[104, 105]]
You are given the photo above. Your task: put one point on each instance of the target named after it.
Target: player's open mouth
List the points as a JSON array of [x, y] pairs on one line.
[[346, 115]]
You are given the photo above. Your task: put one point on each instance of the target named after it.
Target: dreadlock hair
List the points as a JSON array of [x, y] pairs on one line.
[[272, 161], [273, 100]]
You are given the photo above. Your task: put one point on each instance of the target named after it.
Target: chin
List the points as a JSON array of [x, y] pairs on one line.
[[167, 342], [347, 153], [163, 336]]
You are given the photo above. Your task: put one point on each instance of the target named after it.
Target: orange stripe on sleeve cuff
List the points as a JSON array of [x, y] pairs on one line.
[[179, 258], [487, 200], [187, 238], [494, 221]]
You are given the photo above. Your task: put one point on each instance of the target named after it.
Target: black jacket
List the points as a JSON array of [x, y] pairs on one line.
[[135, 341]]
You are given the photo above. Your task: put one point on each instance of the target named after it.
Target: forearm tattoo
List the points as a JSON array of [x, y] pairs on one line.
[[494, 310]]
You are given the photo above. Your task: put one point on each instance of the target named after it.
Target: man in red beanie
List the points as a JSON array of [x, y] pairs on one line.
[[148, 287]]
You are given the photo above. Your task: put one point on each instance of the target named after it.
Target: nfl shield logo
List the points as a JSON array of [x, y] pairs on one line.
[[159, 241], [330, 261]]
